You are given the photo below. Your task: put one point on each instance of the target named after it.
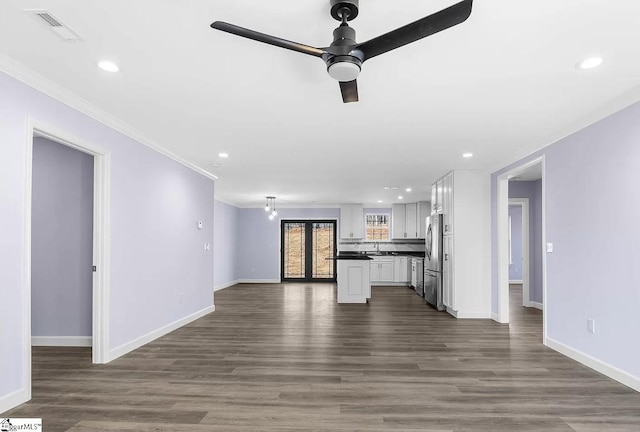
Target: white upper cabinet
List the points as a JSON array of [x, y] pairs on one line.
[[447, 204], [399, 221], [423, 210], [439, 197], [411, 225], [351, 221], [409, 220]]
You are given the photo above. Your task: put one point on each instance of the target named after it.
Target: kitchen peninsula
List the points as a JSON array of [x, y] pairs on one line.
[[354, 285]]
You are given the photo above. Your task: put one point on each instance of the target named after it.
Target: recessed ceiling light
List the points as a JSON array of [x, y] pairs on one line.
[[223, 155], [400, 197], [590, 63], [108, 66], [379, 201], [391, 188], [467, 155], [408, 189]]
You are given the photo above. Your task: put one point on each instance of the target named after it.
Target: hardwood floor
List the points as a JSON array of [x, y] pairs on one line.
[[288, 358]]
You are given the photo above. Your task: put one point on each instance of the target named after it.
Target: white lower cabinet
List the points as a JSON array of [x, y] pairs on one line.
[[353, 281], [382, 269], [390, 269], [401, 271]]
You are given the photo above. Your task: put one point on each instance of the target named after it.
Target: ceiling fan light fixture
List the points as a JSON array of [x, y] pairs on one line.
[[344, 71]]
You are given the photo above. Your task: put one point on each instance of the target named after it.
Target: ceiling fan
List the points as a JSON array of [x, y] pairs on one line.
[[344, 57]]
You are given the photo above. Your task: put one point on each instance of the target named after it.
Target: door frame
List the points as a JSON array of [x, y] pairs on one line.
[[101, 239], [308, 221], [523, 203], [502, 217]]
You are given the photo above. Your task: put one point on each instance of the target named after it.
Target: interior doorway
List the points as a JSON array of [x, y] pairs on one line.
[[520, 216], [61, 245], [99, 262], [307, 250]]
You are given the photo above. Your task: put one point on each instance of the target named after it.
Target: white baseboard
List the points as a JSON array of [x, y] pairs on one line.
[[390, 284], [537, 305], [470, 315], [612, 372], [516, 282], [67, 341], [226, 285], [14, 399], [259, 281], [143, 340]]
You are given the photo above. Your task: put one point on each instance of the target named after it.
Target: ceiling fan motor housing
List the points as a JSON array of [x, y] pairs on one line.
[[338, 5]]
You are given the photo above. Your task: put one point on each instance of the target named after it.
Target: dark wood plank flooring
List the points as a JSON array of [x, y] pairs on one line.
[[288, 358]]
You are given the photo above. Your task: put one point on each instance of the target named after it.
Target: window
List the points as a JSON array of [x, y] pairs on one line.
[[377, 227]]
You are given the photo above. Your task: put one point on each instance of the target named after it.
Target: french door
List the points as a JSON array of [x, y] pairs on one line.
[[307, 250]]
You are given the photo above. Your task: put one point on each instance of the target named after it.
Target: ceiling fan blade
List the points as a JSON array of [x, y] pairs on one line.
[[265, 38], [349, 91], [422, 28]]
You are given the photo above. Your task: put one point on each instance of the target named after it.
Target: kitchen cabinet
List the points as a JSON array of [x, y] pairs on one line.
[[354, 285], [447, 204], [411, 224], [466, 266], [351, 221], [448, 286], [401, 270], [422, 211], [381, 269], [408, 220], [436, 196], [399, 221]]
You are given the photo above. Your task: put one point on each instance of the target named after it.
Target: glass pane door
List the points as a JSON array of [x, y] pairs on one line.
[[308, 249], [323, 235], [293, 248]]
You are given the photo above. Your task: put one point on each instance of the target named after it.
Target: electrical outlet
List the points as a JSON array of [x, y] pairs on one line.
[[591, 326], [199, 224], [549, 247]]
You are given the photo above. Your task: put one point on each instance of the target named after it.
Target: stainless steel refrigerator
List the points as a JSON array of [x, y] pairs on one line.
[[433, 262]]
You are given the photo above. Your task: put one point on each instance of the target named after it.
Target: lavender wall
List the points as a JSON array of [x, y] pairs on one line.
[[259, 240], [225, 245], [157, 252], [62, 241], [533, 191], [515, 268], [593, 271]]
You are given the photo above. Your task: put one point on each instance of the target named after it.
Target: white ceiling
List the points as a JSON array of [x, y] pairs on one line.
[[499, 85]]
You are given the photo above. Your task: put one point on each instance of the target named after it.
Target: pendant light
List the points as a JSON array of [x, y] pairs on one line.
[[271, 207]]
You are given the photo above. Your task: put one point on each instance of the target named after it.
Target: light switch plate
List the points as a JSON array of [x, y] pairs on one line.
[[549, 247], [591, 326]]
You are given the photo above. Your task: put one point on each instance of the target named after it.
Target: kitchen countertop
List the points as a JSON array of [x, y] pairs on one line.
[[352, 257], [355, 255]]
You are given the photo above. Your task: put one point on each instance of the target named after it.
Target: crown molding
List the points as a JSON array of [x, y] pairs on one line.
[[38, 82]]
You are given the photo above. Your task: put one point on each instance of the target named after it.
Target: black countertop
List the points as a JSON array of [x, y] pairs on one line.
[[356, 255], [352, 257]]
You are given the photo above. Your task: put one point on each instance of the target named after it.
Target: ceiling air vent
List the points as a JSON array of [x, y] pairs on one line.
[[54, 24]]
